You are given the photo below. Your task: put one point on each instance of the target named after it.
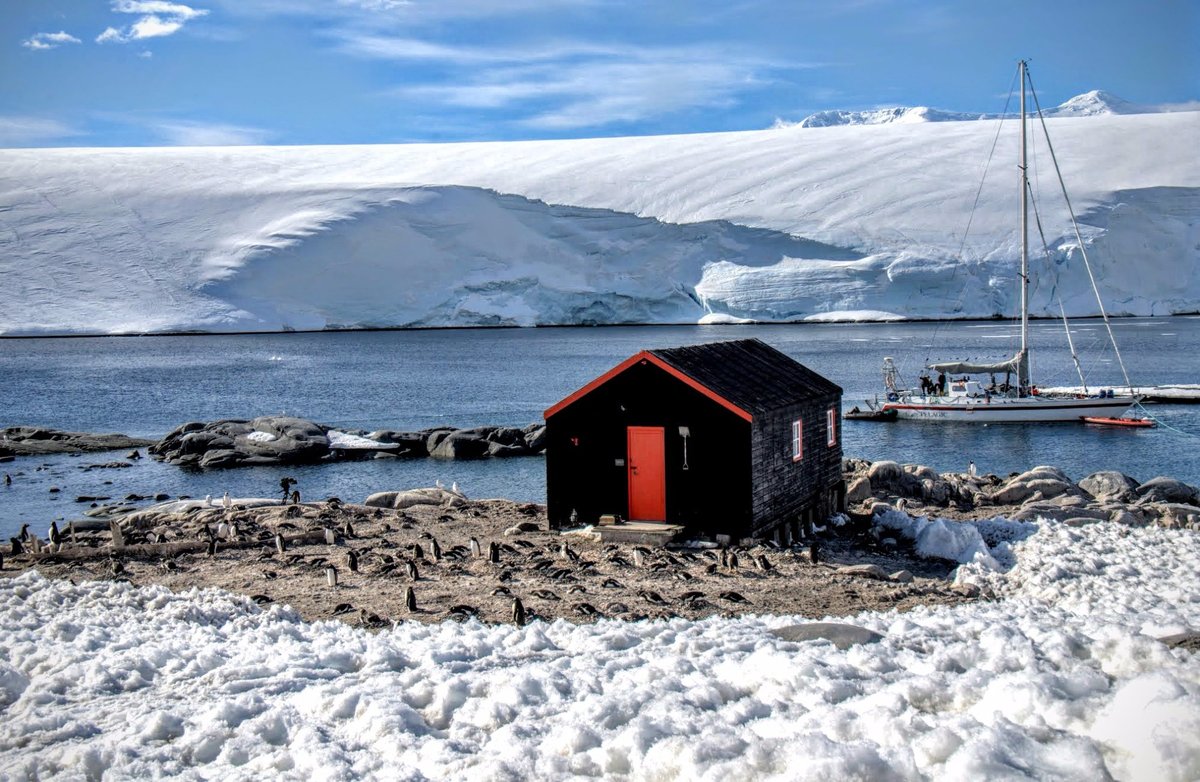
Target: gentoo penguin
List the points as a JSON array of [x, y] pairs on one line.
[[280, 545], [454, 487], [17, 548], [330, 537], [518, 612], [474, 546], [226, 502], [331, 575], [814, 552], [733, 560], [24, 533], [212, 547], [411, 567], [724, 558], [494, 553], [352, 560], [55, 536], [410, 599], [435, 550]]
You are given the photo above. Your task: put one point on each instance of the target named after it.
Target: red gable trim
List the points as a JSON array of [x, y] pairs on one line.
[[643, 357]]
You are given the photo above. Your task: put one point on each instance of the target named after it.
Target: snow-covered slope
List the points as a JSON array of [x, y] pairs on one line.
[[781, 224], [1060, 678]]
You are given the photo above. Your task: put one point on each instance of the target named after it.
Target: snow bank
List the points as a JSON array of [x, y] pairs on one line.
[[1060, 678], [775, 225]]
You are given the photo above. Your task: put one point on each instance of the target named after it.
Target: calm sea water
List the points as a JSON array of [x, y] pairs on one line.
[[416, 379]]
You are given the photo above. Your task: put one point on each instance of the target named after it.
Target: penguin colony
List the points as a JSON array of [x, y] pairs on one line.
[[374, 567]]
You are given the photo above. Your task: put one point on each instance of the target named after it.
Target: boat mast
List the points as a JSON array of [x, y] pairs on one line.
[[1023, 363]]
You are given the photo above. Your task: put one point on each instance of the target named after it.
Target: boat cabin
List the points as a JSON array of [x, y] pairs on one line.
[[966, 387], [727, 438]]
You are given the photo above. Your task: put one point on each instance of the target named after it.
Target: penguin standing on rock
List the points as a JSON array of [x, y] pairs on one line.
[[55, 535]]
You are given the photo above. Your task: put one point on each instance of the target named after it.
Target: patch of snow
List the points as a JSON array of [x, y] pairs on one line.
[[1060, 677], [262, 437]]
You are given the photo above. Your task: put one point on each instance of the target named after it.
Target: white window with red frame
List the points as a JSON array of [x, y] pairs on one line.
[[831, 420], [797, 440]]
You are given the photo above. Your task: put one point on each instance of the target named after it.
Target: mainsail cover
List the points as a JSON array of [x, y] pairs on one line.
[[1018, 364]]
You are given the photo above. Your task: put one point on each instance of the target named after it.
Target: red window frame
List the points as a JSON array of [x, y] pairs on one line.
[[797, 440]]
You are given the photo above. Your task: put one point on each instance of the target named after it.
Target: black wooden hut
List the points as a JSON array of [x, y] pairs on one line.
[[727, 438]]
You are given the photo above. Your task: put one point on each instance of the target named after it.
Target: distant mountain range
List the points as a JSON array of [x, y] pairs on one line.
[[1089, 104]]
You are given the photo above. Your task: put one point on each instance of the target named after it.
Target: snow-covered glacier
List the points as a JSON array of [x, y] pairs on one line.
[[785, 224]]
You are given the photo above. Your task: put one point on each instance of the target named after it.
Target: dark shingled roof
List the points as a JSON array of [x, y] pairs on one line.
[[749, 373]]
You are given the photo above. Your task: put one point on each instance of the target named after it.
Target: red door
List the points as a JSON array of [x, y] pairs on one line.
[[647, 474]]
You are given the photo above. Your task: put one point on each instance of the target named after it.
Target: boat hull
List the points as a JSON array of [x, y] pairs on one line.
[[971, 410]]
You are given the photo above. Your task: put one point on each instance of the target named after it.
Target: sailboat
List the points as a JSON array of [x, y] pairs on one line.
[[956, 396]]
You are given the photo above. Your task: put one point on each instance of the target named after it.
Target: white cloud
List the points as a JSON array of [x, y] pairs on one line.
[[159, 18], [205, 134], [49, 40], [579, 85], [21, 131]]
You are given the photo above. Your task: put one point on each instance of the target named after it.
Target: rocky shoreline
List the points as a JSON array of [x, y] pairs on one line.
[[38, 441], [432, 554], [269, 440]]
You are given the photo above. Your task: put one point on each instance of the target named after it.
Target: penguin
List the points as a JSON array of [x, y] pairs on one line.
[[226, 502], [493, 553], [117, 568], [7, 479], [435, 550], [212, 547], [518, 612], [724, 558], [330, 537], [972, 470], [764, 564], [280, 545], [454, 488], [814, 552], [418, 552], [296, 497], [331, 575], [733, 560], [17, 548], [55, 536], [411, 567], [24, 533], [347, 530], [208, 499], [474, 546], [639, 559], [438, 483], [410, 600], [352, 561]]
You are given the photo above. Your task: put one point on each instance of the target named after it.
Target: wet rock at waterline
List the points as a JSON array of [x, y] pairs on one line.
[[273, 440]]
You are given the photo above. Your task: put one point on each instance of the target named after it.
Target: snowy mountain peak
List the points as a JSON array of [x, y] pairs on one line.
[[1089, 104]]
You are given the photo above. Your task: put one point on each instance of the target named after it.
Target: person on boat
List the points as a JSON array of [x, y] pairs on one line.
[[941, 384]]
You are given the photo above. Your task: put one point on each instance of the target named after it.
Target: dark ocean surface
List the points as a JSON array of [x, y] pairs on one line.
[[418, 379]]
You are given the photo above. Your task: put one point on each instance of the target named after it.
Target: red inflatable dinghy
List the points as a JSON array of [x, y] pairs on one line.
[[1136, 422]]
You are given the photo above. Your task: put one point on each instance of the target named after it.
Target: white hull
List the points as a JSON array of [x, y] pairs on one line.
[[975, 410]]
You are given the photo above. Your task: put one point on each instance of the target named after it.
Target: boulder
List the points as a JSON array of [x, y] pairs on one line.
[[1109, 485], [858, 491], [462, 444], [864, 571], [230, 443], [1047, 482], [535, 440], [500, 449], [1174, 515], [843, 636], [399, 500], [434, 437], [1167, 490]]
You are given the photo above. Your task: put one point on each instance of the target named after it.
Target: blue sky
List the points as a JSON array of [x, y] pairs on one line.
[[159, 72]]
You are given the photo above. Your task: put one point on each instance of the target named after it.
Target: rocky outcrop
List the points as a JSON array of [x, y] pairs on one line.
[[1043, 492], [286, 440], [233, 443], [32, 441]]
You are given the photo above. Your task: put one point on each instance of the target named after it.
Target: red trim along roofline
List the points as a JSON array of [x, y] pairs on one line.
[[643, 357]]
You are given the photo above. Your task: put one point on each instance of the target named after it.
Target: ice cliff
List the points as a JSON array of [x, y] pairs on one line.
[[791, 223]]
